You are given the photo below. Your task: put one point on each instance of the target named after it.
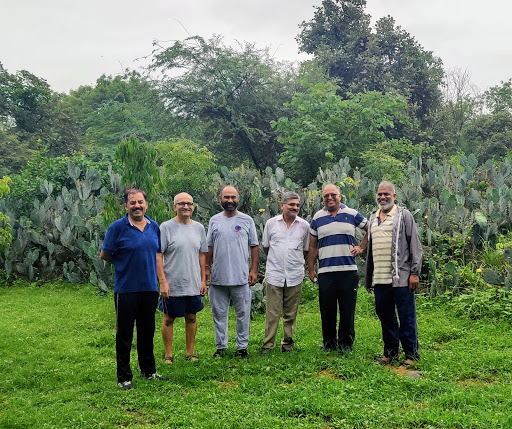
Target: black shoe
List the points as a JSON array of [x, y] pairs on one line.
[[125, 385], [242, 353], [285, 350], [219, 353], [345, 350], [263, 351], [155, 376]]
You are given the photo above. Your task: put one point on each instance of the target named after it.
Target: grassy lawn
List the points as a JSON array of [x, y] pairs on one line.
[[57, 369]]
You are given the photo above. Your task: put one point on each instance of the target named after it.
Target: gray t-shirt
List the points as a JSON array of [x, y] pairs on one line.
[[181, 245], [231, 238]]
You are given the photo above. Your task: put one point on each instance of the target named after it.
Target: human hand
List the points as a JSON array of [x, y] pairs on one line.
[[414, 281], [253, 277], [356, 250], [312, 276], [202, 292], [164, 289]]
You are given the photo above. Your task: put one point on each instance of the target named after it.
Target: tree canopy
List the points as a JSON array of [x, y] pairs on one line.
[[234, 93], [384, 58]]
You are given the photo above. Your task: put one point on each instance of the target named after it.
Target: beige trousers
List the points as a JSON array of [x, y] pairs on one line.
[[281, 301]]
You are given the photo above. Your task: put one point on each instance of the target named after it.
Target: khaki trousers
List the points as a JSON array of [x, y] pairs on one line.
[[281, 301]]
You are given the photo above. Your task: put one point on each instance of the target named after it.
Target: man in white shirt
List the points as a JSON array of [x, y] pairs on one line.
[[286, 242]]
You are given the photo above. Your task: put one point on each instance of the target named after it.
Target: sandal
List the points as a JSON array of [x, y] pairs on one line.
[[408, 365], [383, 360], [191, 358], [169, 360]]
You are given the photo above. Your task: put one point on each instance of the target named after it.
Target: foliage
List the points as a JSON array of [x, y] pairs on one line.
[[489, 136], [384, 58], [27, 184], [234, 93], [117, 108], [137, 163], [62, 234], [499, 98], [5, 227], [34, 117], [326, 127], [185, 166]]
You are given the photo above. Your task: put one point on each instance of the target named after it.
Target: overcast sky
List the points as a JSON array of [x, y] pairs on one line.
[[71, 43]]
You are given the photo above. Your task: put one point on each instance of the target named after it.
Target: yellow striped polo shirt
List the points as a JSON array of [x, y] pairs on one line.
[[381, 247]]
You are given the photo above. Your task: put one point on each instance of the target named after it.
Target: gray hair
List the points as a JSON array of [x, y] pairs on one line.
[[388, 185], [287, 196]]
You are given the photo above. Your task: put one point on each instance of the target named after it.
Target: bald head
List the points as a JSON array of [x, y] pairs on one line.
[[229, 199], [332, 198]]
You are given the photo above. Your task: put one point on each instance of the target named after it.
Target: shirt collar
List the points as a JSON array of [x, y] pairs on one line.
[[127, 219], [391, 213]]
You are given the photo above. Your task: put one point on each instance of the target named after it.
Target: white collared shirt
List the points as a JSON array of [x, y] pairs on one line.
[[285, 259]]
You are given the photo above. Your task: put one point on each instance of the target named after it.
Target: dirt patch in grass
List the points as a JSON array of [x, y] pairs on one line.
[[477, 382], [404, 372]]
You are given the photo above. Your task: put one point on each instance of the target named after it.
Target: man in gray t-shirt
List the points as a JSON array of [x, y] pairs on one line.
[[182, 273], [230, 235]]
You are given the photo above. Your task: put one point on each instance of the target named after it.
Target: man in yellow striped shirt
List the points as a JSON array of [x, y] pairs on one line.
[[392, 272]]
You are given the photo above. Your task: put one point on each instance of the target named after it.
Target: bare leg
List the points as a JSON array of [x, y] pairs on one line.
[[167, 334], [190, 332]]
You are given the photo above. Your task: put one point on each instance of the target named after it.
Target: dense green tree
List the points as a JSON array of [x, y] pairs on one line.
[[461, 104], [499, 98], [119, 107], [186, 167], [325, 127], [489, 136], [33, 117], [384, 58], [234, 93]]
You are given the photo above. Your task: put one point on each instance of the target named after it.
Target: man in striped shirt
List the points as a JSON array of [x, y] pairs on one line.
[[392, 272], [332, 239]]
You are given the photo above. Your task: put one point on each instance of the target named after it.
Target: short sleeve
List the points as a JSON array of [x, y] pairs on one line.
[[253, 235], [203, 247], [209, 236], [360, 220], [265, 240], [313, 228], [109, 244]]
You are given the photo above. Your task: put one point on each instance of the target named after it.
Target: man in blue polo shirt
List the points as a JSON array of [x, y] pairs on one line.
[[332, 240], [132, 244]]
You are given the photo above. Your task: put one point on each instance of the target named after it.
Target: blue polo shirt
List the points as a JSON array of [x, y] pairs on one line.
[[133, 254]]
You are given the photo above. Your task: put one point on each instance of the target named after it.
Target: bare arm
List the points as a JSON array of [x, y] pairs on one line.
[[265, 249], [106, 256], [164, 286], [253, 274], [312, 255], [209, 260]]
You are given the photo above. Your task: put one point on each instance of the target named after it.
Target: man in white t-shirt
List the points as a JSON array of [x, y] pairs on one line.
[[286, 242]]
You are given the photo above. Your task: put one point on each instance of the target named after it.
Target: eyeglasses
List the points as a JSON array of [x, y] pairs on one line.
[[185, 203], [330, 195]]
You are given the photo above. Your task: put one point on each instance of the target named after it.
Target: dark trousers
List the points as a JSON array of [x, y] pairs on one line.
[[134, 307], [338, 290], [387, 298]]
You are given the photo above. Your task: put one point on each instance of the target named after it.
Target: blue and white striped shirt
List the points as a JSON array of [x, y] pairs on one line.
[[336, 238]]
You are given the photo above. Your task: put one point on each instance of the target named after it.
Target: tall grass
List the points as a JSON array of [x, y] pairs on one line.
[[57, 370]]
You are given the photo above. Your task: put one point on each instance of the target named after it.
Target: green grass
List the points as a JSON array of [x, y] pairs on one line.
[[57, 370]]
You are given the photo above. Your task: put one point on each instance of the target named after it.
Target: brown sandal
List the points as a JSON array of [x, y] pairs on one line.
[[169, 360], [191, 358]]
